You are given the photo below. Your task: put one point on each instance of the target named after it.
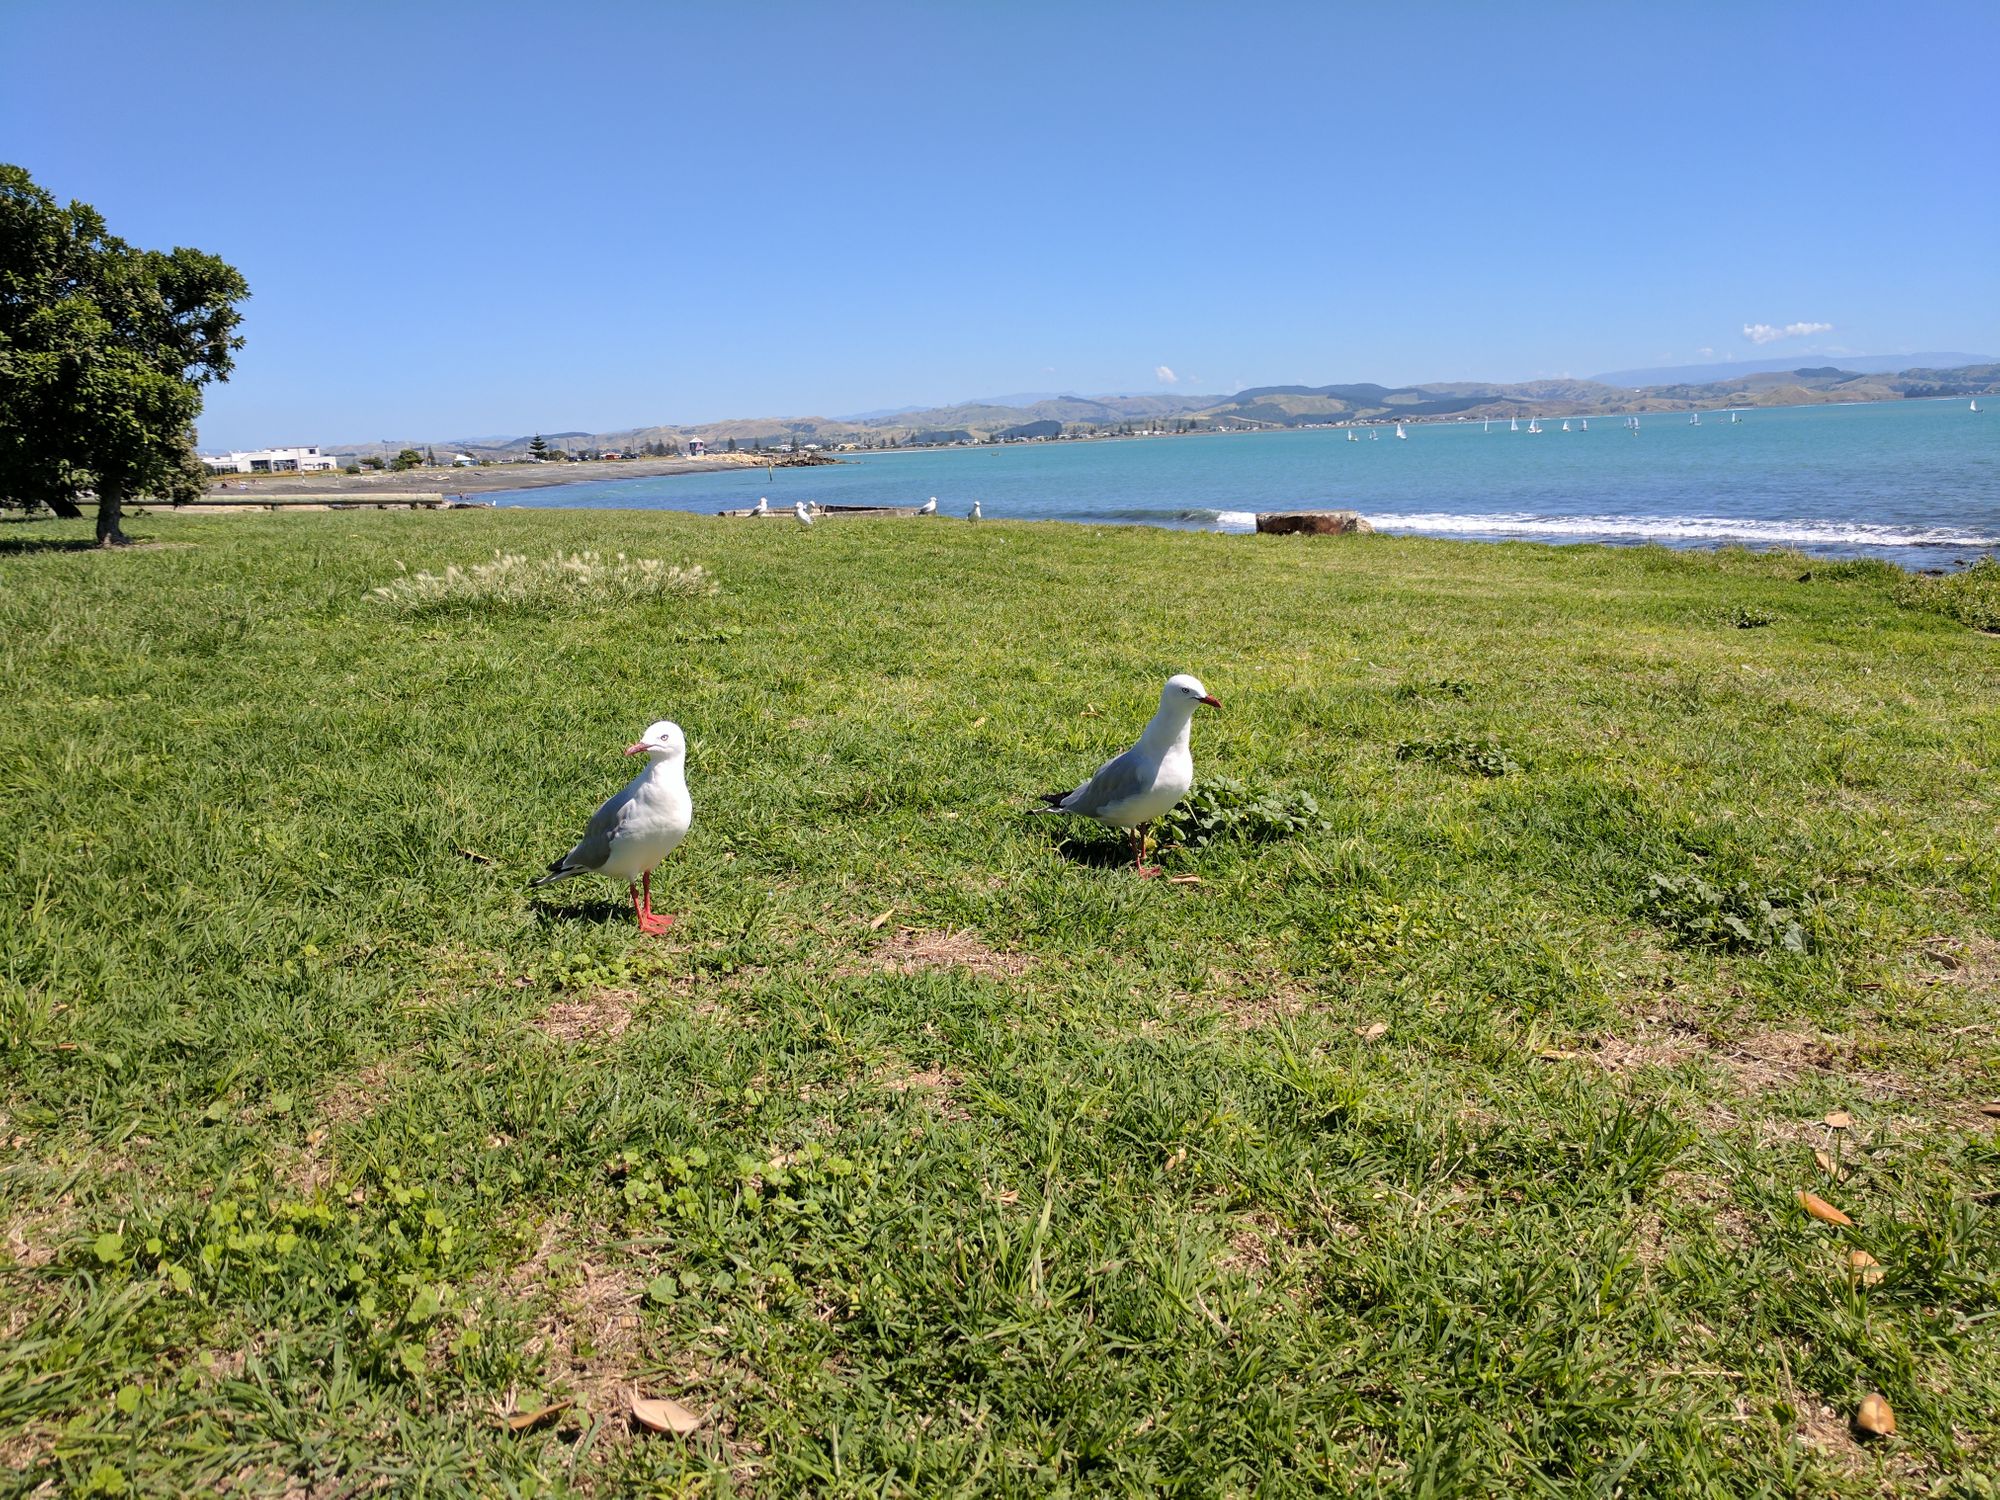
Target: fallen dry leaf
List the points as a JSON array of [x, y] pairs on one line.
[[1875, 1417], [1820, 1209], [877, 923], [1373, 1031], [476, 857], [1831, 1167], [1840, 1119], [1864, 1267], [663, 1414], [1176, 1159], [1558, 1054], [1183, 880], [1991, 1109], [521, 1421], [978, 721]]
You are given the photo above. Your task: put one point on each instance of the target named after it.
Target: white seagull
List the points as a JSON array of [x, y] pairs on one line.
[[638, 826], [929, 507], [1132, 789], [973, 514], [801, 514], [763, 506]]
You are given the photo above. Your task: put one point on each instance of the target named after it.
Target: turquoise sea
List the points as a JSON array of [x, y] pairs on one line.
[[1914, 481]]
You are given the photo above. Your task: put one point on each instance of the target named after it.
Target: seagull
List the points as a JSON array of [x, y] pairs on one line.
[[801, 514], [640, 825], [763, 506], [929, 507], [1132, 789], [973, 514]]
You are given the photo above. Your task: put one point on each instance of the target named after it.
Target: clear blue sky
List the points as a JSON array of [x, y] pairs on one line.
[[471, 219]]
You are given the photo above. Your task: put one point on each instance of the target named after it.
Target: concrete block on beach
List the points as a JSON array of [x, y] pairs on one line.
[[1312, 522]]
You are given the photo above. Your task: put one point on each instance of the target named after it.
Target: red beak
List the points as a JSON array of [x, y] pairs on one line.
[[638, 749], [1210, 699]]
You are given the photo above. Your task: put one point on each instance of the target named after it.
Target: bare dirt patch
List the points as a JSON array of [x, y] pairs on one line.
[[908, 951], [1966, 963], [938, 1083], [599, 1016], [588, 1331], [354, 1097]]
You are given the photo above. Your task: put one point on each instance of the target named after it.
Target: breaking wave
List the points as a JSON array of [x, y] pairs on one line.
[[1681, 529]]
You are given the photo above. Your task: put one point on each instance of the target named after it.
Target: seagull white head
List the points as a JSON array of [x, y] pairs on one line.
[[1185, 690], [763, 504], [661, 741]]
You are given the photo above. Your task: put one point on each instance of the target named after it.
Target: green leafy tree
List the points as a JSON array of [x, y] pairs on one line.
[[537, 448], [104, 349], [430, 456], [409, 458]]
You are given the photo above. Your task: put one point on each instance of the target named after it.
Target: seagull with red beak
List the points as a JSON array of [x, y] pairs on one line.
[[638, 826], [1131, 790]]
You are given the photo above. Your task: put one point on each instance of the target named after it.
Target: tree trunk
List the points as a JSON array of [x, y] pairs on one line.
[[66, 510], [110, 511]]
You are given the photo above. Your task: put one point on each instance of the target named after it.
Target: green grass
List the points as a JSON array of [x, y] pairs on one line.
[[1427, 1145]]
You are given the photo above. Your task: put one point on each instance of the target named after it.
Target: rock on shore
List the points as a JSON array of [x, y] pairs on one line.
[[1313, 523]]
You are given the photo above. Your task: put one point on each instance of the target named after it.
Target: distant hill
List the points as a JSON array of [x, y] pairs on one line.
[[1863, 364], [1041, 418]]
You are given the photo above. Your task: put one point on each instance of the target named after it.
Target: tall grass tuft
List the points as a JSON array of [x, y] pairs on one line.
[[566, 580]]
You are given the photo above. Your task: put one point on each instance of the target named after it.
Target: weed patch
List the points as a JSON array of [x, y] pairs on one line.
[[1472, 757], [1222, 809], [1732, 917], [1971, 597]]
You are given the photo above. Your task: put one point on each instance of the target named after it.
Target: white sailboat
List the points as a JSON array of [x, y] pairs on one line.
[[1632, 426], [1584, 425], [1736, 419], [1353, 437], [1535, 424], [1513, 424], [1399, 431], [1694, 419], [1488, 427], [1565, 424], [1975, 406]]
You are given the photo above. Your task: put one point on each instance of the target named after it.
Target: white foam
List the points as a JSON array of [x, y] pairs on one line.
[[1236, 520], [1685, 528]]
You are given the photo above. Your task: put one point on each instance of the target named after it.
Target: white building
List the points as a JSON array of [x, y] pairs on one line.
[[271, 461]]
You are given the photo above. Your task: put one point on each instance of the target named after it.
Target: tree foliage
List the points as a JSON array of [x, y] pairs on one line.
[[104, 349], [409, 458]]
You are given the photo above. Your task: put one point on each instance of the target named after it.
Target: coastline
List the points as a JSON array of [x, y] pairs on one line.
[[492, 478]]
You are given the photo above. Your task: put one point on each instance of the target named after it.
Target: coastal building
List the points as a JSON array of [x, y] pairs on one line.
[[271, 461], [696, 447], [464, 461]]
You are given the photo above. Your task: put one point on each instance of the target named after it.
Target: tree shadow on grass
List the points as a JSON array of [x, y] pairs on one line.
[[11, 546]]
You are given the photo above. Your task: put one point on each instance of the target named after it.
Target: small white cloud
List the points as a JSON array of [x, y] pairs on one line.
[[1765, 333], [1165, 375], [1706, 353]]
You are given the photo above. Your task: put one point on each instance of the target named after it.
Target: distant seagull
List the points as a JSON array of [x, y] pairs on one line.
[[1131, 790], [929, 507], [801, 514], [639, 826], [973, 514], [763, 507]]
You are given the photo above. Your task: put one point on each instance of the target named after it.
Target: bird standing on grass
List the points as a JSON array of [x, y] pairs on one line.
[[801, 514], [929, 507], [638, 826], [1131, 790], [763, 506], [973, 514]]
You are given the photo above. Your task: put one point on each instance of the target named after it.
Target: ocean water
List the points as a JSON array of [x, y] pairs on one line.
[[1917, 482]]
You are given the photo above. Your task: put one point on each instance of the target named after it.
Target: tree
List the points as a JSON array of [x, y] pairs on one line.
[[537, 448], [409, 458], [104, 349], [430, 456]]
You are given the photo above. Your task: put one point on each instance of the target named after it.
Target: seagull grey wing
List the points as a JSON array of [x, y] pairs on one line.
[[1117, 781], [594, 848]]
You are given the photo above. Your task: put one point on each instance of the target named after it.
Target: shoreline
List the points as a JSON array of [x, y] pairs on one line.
[[255, 488]]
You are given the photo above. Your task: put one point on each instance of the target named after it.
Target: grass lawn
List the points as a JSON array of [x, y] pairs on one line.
[[1450, 1145]]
